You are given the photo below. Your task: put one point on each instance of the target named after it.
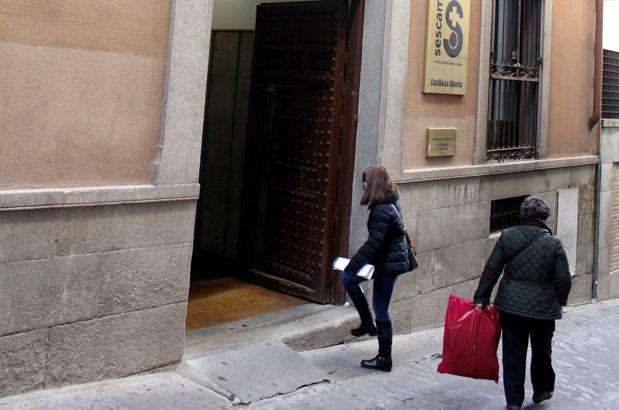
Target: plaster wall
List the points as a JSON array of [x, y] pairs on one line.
[[435, 110], [571, 80], [82, 90]]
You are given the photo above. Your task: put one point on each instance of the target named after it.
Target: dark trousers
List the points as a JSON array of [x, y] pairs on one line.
[[516, 333], [383, 289]]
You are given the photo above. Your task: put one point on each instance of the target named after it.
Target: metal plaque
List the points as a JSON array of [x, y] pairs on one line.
[[441, 142]]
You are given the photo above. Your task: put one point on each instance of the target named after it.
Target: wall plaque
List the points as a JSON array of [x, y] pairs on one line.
[[441, 142], [447, 41]]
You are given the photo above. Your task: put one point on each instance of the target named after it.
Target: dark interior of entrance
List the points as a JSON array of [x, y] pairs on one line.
[[277, 161]]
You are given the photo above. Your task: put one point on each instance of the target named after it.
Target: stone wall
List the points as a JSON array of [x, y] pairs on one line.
[[608, 279], [450, 222], [90, 293], [94, 280]]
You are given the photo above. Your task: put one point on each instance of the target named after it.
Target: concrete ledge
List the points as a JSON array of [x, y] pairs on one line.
[[415, 175], [72, 197], [610, 123]]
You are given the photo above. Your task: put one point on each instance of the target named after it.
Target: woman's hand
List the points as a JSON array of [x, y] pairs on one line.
[[480, 306]]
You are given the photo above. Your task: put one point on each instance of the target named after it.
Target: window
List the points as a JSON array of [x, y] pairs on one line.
[[505, 213], [514, 80], [610, 87]]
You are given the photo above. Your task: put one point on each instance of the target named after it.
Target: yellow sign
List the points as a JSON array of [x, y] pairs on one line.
[[447, 42], [441, 142]]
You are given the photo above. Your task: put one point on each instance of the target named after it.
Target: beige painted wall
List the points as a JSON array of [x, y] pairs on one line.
[[81, 91], [434, 110], [571, 86]]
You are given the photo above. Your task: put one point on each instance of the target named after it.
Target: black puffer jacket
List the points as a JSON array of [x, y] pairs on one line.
[[385, 247], [536, 282]]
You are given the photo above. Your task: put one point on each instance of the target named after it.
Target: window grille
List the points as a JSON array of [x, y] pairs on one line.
[[505, 213], [610, 87], [514, 80]]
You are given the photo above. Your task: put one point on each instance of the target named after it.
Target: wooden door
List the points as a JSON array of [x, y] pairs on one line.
[[295, 146]]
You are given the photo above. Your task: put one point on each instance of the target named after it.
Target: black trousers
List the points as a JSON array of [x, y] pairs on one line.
[[516, 333]]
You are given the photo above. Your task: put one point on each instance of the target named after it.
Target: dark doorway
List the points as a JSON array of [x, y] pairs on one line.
[[285, 221]]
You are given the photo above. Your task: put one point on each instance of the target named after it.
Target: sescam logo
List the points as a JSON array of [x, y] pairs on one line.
[[447, 39], [453, 43]]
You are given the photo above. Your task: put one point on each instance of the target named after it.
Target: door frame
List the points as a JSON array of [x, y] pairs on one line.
[[350, 116]]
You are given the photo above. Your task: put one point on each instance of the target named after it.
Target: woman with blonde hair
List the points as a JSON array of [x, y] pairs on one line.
[[387, 250]]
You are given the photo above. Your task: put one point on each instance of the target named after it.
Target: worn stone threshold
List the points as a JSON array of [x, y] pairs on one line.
[[304, 327]]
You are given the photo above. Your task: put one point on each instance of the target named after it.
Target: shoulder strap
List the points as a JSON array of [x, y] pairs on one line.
[[396, 210], [526, 246], [402, 226], [409, 242]]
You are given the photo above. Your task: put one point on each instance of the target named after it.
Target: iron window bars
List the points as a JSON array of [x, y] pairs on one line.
[[514, 80], [610, 85], [505, 213]]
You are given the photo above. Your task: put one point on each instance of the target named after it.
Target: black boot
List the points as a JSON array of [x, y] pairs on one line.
[[383, 360], [361, 304]]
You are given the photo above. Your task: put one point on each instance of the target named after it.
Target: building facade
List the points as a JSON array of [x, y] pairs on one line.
[[607, 234], [109, 153]]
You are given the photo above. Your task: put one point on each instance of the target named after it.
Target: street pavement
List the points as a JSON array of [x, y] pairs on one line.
[[585, 357]]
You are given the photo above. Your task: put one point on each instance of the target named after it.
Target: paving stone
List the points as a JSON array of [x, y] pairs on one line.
[[259, 370], [157, 391], [584, 359]]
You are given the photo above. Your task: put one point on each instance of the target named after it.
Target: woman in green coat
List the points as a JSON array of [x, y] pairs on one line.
[[535, 285]]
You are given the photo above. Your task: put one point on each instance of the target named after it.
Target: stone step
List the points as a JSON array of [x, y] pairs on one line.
[[305, 327]]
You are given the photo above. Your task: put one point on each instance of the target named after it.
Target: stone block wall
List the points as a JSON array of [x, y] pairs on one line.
[[450, 225], [608, 259], [94, 277], [92, 292]]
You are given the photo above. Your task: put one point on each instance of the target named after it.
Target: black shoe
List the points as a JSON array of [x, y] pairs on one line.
[[364, 330], [377, 363], [544, 396]]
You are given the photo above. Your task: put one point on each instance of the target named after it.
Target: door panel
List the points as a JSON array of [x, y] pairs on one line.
[[299, 65]]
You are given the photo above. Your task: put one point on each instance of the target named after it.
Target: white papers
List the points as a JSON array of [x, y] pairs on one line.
[[340, 263], [367, 271]]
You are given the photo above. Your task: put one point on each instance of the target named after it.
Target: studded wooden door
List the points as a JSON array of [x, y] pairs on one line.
[[296, 130]]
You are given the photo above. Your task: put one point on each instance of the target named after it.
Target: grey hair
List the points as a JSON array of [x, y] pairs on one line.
[[534, 207]]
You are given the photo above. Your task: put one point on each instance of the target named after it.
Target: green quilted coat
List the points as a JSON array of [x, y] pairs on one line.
[[536, 282]]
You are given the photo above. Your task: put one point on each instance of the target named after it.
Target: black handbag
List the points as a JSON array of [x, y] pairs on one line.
[[412, 253]]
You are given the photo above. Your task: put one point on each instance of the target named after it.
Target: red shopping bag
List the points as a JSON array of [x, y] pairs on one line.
[[470, 340]]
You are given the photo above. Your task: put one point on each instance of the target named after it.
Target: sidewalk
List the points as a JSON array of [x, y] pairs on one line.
[[273, 376]]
